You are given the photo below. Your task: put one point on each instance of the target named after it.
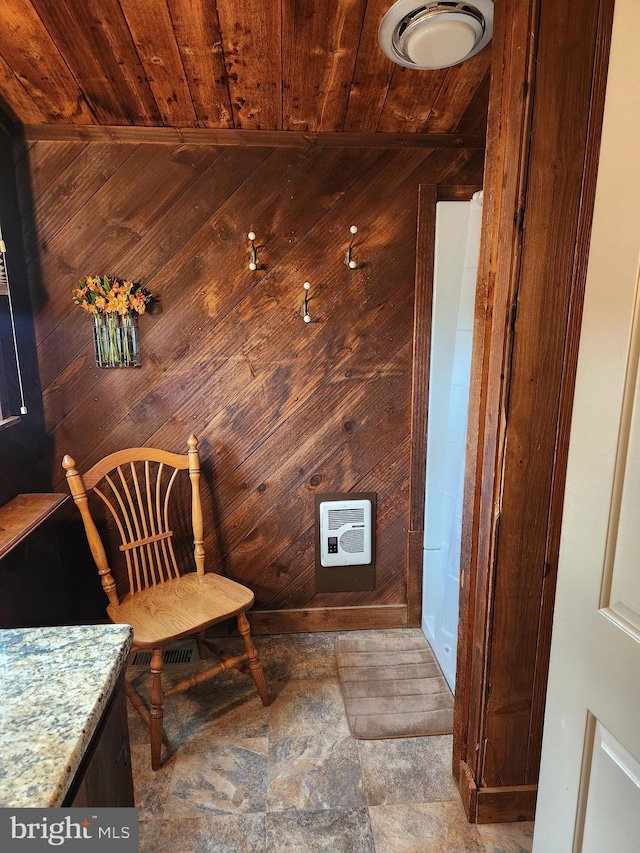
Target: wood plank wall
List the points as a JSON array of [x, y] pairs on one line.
[[283, 409]]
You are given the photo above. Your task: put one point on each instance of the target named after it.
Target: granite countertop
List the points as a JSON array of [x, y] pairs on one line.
[[54, 686]]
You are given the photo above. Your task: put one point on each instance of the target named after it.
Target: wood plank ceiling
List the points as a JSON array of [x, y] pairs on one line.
[[271, 65]]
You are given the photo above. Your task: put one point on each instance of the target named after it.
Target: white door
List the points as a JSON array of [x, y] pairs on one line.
[[589, 792]]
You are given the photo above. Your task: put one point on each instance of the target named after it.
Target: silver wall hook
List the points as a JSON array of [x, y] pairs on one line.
[[253, 251], [305, 306], [348, 259]]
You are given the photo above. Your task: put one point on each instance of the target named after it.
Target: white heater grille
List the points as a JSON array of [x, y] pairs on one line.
[[345, 533]]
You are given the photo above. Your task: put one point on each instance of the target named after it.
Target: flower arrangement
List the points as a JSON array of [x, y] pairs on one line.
[[107, 295], [115, 305]]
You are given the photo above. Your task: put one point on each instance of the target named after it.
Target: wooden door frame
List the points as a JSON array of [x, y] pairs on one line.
[[428, 196], [542, 155]]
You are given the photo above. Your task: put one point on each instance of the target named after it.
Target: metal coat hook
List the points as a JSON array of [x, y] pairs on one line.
[[253, 251], [305, 307], [347, 252]]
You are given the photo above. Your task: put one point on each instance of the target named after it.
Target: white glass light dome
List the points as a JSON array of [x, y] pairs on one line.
[[437, 34]]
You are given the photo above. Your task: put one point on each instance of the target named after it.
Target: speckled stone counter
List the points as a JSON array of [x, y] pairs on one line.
[[54, 686]]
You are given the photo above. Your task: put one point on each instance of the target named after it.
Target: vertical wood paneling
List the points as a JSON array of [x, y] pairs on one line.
[[559, 130], [410, 98], [197, 32], [457, 92], [283, 409], [269, 65], [15, 100], [315, 83], [251, 41], [112, 80], [372, 73], [423, 310], [153, 35], [28, 48], [531, 279]]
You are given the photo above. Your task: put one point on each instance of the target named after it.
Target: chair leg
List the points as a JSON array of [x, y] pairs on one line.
[[255, 667], [202, 649], [156, 712]]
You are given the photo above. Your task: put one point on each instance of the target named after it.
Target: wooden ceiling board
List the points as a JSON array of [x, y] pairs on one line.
[[371, 75], [112, 80], [317, 62], [410, 97], [154, 37], [457, 92], [251, 41], [205, 65], [197, 30], [474, 118], [16, 103], [36, 61]]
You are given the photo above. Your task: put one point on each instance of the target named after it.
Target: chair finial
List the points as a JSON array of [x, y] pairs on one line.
[[68, 463], [192, 441]]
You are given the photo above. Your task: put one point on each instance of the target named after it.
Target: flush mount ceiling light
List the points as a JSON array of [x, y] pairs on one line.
[[435, 35]]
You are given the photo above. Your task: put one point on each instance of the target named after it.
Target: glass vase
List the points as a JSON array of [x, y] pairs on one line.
[[116, 340]]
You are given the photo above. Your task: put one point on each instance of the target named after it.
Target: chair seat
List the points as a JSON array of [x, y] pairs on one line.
[[180, 607]]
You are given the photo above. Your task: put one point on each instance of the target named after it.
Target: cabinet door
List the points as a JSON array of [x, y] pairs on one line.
[[104, 778]]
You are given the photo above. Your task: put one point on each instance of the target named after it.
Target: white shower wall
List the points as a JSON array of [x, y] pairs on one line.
[[455, 267]]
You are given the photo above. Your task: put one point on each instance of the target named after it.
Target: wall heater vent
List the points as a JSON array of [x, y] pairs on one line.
[[345, 532]]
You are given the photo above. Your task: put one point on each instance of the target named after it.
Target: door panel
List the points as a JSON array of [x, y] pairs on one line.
[[589, 790], [612, 820]]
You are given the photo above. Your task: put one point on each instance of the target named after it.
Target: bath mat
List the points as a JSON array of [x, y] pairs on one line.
[[393, 687]]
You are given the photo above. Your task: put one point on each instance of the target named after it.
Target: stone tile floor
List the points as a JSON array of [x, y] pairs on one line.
[[241, 777]]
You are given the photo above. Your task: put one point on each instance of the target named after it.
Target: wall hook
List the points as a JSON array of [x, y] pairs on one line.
[[253, 251], [305, 307], [347, 252]]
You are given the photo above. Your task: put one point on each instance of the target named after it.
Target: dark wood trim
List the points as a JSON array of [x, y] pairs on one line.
[[495, 805], [422, 311], [506, 805], [266, 138], [533, 254], [574, 320], [510, 110], [468, 790], [457, 192], [327, 619]]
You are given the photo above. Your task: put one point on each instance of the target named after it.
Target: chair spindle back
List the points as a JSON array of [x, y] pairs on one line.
[[135, 486]]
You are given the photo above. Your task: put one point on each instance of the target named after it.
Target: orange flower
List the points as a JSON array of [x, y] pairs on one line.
[[121, 303], [108, 295]]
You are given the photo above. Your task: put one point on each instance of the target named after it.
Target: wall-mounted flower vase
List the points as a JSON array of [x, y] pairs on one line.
[[116, 340], [115, 305]]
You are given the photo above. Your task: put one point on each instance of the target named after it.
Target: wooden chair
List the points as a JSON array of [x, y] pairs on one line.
[[161, 604]]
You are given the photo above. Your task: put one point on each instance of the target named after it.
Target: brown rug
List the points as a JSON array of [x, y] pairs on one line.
[[393, 687]]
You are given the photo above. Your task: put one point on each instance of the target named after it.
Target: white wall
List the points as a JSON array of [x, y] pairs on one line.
[[456, 259]]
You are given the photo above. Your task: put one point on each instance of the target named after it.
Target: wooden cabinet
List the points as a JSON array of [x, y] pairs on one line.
[[47, 575], [104, 777]]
